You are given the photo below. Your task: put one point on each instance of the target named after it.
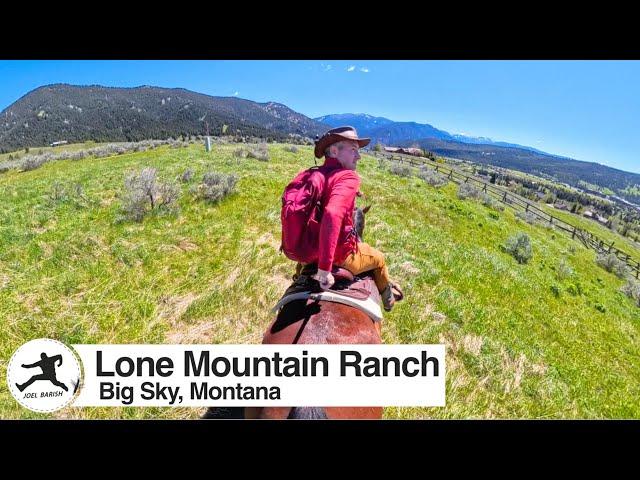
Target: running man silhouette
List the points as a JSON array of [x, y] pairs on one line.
[[48, 366]]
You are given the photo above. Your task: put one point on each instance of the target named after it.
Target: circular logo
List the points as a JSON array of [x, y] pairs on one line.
[[43, 375]]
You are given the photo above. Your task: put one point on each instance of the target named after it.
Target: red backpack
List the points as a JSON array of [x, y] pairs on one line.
[[301, 215]]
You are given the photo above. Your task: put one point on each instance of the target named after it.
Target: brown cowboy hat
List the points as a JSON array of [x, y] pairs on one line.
[[337, 135]]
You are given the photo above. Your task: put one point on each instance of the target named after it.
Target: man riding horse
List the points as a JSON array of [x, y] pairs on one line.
[[338, 244], [329, 239]]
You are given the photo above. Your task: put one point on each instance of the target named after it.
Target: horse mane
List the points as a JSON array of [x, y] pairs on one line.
[[223, 413], [358, 222], [307, 413]]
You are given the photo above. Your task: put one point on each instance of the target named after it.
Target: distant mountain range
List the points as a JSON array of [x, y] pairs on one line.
[[388, 132], [79, 113], [485, 151]]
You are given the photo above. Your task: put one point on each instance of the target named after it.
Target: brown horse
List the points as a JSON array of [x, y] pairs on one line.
[[315, 322]]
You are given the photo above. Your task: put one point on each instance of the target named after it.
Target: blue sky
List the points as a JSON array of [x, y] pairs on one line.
[[588, 110]]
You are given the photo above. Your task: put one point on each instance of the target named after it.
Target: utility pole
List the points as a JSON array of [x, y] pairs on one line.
[[207, 140]]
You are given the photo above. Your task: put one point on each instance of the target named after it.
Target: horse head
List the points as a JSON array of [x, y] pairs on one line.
[[358, 221]]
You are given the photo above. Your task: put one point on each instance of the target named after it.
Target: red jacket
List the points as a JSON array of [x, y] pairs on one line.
[[337, 237]]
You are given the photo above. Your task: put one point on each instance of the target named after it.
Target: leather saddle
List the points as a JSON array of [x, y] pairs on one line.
[[357, 291]]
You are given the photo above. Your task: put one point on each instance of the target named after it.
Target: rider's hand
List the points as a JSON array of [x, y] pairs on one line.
[[325, 279]]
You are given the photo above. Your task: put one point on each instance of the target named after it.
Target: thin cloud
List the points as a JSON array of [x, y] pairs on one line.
[[325, 68], [351, 68], [364, 69], [235, 94]]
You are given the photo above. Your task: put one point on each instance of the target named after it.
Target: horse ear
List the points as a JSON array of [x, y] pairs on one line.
[[365, 210]]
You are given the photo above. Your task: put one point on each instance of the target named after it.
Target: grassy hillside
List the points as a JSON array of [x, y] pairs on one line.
[[522, 341], [626, 244], [71, 147]]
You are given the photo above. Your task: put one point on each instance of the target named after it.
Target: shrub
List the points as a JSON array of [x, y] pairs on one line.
[[240, 152], [61, 192], [215, 186], [79, 197], [519, 246], [632, 290], [186, 176], [575, 289], [466, 190], [528, 217], [400, 169], [612, 264], [143, 193], [490, 202], [79, 155], [432, 177], [58, 192], [260, 152], [564, 271], [32, 162]]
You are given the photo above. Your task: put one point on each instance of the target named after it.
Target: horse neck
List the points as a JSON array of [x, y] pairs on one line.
[[322, 323]]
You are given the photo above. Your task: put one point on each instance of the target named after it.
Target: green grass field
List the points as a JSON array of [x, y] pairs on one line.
[[521, 342]]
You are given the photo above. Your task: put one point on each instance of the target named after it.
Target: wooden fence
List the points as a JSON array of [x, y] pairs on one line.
[[518, 203]]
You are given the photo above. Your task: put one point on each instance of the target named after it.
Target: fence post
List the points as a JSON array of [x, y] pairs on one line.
[[573, 234]]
